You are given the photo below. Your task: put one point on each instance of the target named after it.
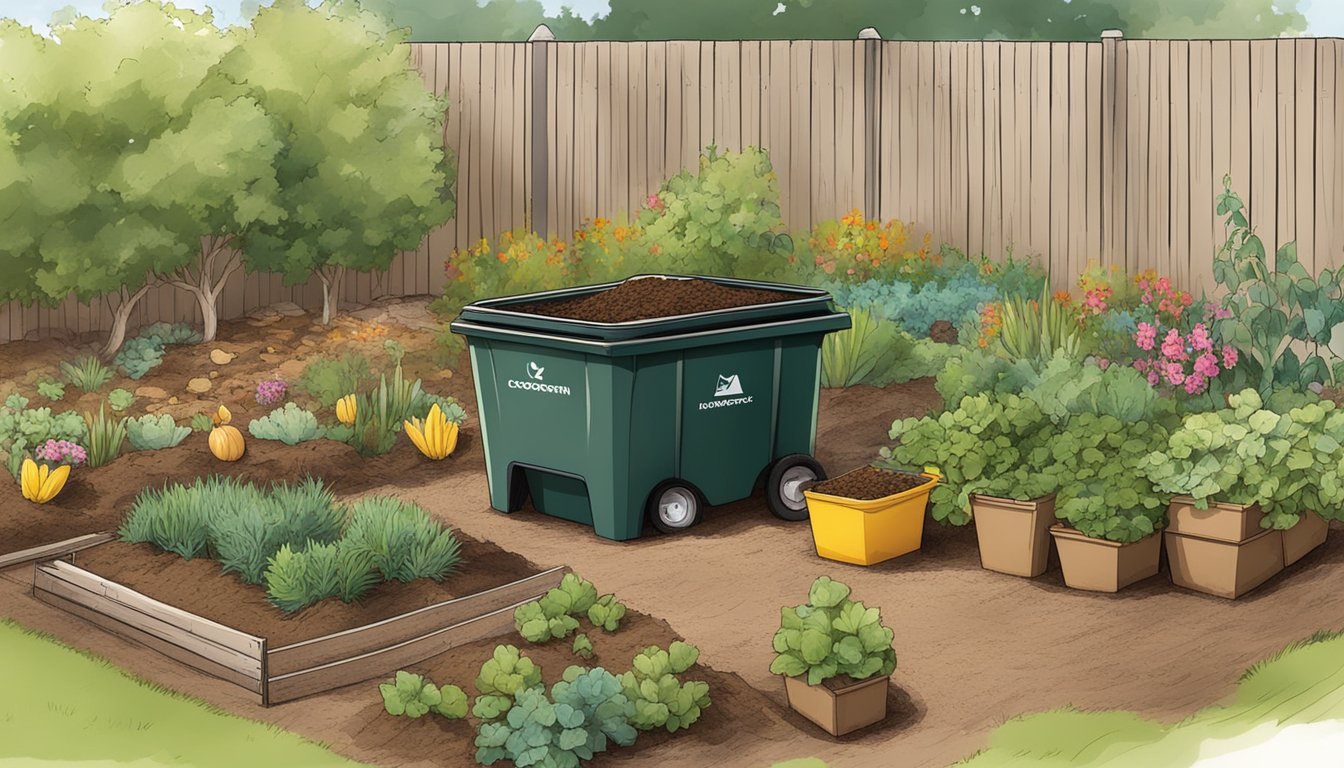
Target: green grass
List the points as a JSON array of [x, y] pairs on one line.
[[1302, 684], [59, 705]]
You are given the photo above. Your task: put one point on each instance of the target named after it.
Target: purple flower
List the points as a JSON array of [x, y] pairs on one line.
[[271, 392], [61, 452]]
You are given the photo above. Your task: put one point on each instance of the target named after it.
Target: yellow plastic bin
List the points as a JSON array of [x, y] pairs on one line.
[[869, 532]]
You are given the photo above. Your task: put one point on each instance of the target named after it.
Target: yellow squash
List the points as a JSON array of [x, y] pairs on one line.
[[436, 436], [41, 483], [345, 410], [226, 443]]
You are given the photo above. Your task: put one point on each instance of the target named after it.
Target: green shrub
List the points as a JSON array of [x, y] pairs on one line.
[[169, 518], [505, 673], [1103, 493], [289, 424], [1035, 329], [328, 380], [379, 414], [424, 401], [584, 712], [413, 696], [298, 579], [248, 525], [553, 616], [153, 432], [23, 429], [139, 355], [120, 399], [171, 333], [52, 390], [202, 422], [583, 647], [832, 635], [404, 541], [87, 373], [660, 699], [607, 613], [105, 437]]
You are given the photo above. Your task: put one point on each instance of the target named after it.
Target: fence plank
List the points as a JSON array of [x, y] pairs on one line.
[[1327, 191], [800, 127], [1304, 158], [976, 140], [1262, 198], [1000, 132], [1178, 216], [1203, 175], [842, 147], [958, 217]]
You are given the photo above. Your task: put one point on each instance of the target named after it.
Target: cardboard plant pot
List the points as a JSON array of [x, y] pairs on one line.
[[1222, 550], [1101, 565], [1309, 533], [841, 709], [1014, 536]]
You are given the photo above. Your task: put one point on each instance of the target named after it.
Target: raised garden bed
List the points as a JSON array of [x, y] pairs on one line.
[[653, 297], [221, 626]]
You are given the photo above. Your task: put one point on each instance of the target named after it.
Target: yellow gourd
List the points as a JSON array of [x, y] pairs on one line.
[[436, 436], [345, 410], [40, 484], [226, 443]]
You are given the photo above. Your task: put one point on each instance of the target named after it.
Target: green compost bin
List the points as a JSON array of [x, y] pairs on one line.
[[605, 424]]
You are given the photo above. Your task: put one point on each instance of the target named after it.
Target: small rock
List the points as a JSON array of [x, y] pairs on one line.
[[199, 385], [268, 357], [214, 374], [172, 400], [446, 373], [290, 370], [288, 309], [150, 393], [307, 343], [270, 350], [220, 357]]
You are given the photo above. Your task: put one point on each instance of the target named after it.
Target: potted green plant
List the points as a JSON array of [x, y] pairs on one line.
[[1249, 478], [993, 453], [836, 658], [1111, 514]]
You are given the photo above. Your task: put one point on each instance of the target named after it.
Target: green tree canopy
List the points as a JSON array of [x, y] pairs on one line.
[[363, 173]]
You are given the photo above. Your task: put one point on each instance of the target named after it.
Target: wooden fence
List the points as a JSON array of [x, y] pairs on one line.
[[1110, 150]]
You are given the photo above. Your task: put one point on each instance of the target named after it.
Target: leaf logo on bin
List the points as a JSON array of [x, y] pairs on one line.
[[726, 387], [534, 382]]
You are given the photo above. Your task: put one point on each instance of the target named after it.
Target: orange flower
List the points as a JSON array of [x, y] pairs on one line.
[[503, 256], [1062, 297], [599, 223], [872, 225], [883, 242]]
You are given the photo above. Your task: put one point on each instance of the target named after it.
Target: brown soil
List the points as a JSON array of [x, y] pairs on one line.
[[943, 332], [869, 483], [199, 586], [95, 500], [647, 298]]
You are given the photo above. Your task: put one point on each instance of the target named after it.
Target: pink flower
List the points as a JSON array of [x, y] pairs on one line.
[[1199, 338], [1153, 378], [1145, 336], [828, 267], [1103, 363], [1141, 365], [1187, 299], [1221, 314], [849, 271], [1173, 347], [1195, 383], [1175, 373], [1206, 365], [1163, 285], [654, 202], [1143, 286], [1229, 356], [1147, 297]]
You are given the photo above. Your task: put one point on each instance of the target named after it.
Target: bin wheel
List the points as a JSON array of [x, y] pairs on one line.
[[783, 488], [674, 506]]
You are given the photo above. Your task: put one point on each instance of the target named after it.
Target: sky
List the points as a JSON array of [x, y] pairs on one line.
[[1325, 17]]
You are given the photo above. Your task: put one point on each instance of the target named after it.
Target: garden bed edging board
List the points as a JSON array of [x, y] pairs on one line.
[[298, 669]]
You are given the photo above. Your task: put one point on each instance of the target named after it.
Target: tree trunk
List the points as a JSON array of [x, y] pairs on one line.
[[121, 317], [331, 277], [206, 286]]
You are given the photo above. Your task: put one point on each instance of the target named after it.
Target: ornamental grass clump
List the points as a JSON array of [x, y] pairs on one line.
[[405, 542], [87, 373]]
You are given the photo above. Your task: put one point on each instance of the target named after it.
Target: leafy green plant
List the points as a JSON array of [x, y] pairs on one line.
[[298, 579], [379, 414], [202, 422], [171, 333], [289, 424], [139, 356], [1035, 329], [419, 407], [153, 432], [87, 373], [328, 380], [832, 635], [170, 518], [52, 390], [105, 436], [850, 355], [607, 613], [553, 616], [660, 699], [584, 713], [583, 647], [504, 674], [248, 525], [414, 695], [23, 429], [403, 540], [120, 399], [1103, 492]]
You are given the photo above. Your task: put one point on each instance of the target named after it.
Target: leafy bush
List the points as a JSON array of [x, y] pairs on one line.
[[297, 579], [87, 373], [404, 541], [607, 613], [120, 399], [1099, 462], [52, 390], [413, 696], [23, 429], [202, 422], [585, 711], [914, 310], [105, 436], [1066, 386], [832, 635], [153, 432], [659, 698], [171, 333], [855, 250], [1035, 329], [328, 380], [519, 261], [290, 425], [583, 647], [504, 674], [171, 519], [553, 616], [139, 355]]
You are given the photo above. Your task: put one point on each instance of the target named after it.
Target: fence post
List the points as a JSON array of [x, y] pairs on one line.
[[540, 40], [872, 116], [1113, 94]]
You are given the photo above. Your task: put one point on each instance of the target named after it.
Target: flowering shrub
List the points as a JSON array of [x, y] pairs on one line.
[[271, 392], [856, 249], [1176, 348], [61, 452], [614, 249], [916, 309], [519, 261]]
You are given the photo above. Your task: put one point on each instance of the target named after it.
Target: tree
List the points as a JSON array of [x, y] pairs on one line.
[[109, 153], [362, 173]]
